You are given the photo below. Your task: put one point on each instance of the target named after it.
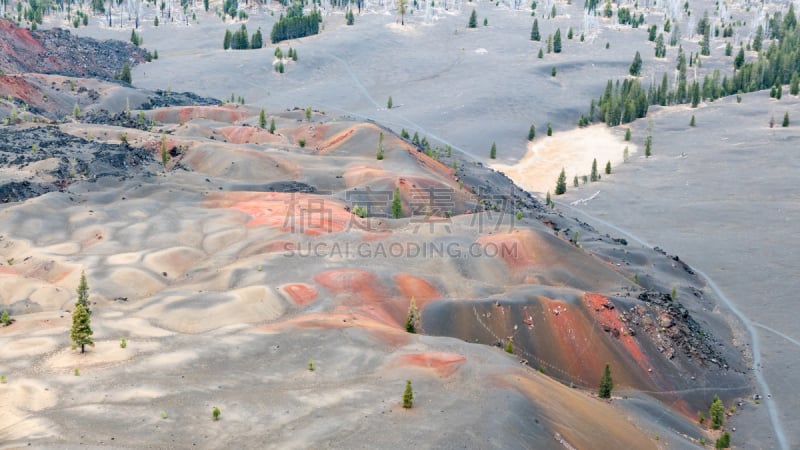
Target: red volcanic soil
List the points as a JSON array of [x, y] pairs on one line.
[[417, 288], [443, 364], [16, 44], [225, 114], [607, 317], [19, 87], [311, 214], [359, 291], [250, 135], [301, 294]]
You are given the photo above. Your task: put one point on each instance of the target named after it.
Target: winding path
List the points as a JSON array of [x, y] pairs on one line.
[[749, 326]]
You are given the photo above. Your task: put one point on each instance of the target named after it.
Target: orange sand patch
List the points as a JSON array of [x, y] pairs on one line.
[[18, 87], [361, 174], [357, 291], [516, 248], [308, 213], [429, 163], [334, 141], [582, 421], [388, 335], [249, 135], [7, 270], [421, 290], [301, 294], [227, 114], [443, 364]]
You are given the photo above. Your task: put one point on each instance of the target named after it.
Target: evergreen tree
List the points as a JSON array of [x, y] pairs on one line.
[[608, 168], [606, 383], [692, 122], [716, 413], [593, 176], [535, 35], [724, 441], [473, 19], [226, 42], [549, 130], [412, 319], [126, 73], [785, 119], [262, 119], [164, 154], [628, 134], [561, 183], [83, 293], [648, 146], [272, 126], [493, 151], [257, 40], [397, 204], [349, 17], [575, 182], [794, 84], [636, 65], [531, 132], [557, 41], [738, 61], [408, 395], [389, 103], [547, 199], [541, 54], [509, 347], [5, 319], [379, 155], [81, 332]]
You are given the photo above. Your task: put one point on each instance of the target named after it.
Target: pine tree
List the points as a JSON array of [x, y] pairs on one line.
[[557, 41], [493, 151], [535, 35], [608, 168], [126, 73], [794, 84], [547, 199], [226, 42], [5, 319], [412, 319], [81, 333], [531, 132], [628, 134], [738, 61], [389, 103], [541, 54], [636, 65], [785, 119], [397, 204], [262, 119], [164, 154], [549, 130], [606, 383], [408, 395], [83, 293], [473, 19], [379, 155], [692, 122], [724, 441], [593, 175], [648, 146], [561, 183], [509, 347], [716, 413]]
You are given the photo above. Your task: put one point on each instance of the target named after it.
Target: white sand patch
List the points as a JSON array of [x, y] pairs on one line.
[[124, 258], [21, 348], [213, 310], [104, 353], [19, 398], [63, 249], [136, 327], [133, 283], [173, 261], [172, 360], [574, 151]]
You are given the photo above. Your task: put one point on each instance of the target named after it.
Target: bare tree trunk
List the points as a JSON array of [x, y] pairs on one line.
[[83, 350]]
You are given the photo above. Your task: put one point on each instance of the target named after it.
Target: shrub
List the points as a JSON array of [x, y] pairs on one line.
[[123, 343], [215, 412], [408, 395], [510, 347]]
